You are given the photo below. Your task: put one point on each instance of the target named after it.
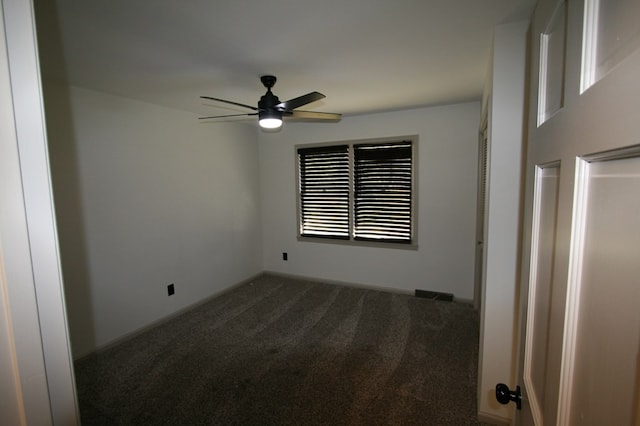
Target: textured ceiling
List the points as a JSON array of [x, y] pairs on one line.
[[365, 55]]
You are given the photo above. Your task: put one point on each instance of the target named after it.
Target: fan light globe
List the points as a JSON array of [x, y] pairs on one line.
[[270, 123]]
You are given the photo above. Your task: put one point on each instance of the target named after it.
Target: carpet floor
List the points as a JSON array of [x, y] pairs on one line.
[[280, 351]]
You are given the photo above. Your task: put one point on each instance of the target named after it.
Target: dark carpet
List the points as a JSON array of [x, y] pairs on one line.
[[280, 351]]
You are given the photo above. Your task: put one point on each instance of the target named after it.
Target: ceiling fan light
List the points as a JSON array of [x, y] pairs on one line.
[[269, 119], [270, 122]]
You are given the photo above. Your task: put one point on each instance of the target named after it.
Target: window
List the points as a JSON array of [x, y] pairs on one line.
[[357, 191], [324, 191]]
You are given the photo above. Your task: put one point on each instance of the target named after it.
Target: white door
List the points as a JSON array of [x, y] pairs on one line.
[[581, 251]]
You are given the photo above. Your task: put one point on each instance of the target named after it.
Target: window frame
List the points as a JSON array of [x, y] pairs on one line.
[[352, 240]]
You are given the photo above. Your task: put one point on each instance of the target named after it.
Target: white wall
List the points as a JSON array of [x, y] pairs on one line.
[[147, 196], [447, 149], [498, 328]]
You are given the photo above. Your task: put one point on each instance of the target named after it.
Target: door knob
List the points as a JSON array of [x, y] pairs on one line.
[[504, 395]]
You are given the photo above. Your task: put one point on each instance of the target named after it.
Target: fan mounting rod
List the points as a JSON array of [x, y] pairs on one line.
[[268, 81]]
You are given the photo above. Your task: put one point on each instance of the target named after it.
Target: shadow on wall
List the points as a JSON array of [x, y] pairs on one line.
[[67, 193]]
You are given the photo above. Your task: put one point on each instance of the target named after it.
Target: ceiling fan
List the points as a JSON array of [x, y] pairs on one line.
[[270, 110]]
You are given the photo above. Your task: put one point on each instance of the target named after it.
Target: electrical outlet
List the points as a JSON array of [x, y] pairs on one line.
[[170, 290], [285, 256]]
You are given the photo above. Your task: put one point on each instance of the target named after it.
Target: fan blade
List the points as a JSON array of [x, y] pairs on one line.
[[315, 115], [230, 102], [231, 115], [300, 100]]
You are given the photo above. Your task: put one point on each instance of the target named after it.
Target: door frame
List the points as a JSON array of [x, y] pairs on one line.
[[32, 278]]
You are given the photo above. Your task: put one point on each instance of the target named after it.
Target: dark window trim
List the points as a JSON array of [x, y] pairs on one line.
[[401, 243]]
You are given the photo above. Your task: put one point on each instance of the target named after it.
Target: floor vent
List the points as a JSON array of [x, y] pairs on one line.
[[434, 295]]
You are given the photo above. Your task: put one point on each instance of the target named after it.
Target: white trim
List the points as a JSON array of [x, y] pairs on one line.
[[492, 419], [542, 78], [574, 283], [40, 238], [589, 45], [534, 402], [533, 272], [338, 282], [543, 71]]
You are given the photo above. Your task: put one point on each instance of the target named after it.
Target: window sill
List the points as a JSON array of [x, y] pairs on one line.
[[383, 245]]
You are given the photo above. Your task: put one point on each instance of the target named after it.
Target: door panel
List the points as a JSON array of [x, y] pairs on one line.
[[611, 33], [552, 53], [604, 389], [537, 351]]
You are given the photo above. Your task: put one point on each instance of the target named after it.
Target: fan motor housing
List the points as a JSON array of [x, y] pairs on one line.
[[268, 101]]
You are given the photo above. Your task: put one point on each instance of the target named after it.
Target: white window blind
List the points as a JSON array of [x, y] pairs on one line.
[[324, 191], [382, 192]]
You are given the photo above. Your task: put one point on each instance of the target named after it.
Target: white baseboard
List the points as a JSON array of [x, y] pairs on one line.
[[493, 419], [338, 282], [179, 312], [356, 285], [138, 331]]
